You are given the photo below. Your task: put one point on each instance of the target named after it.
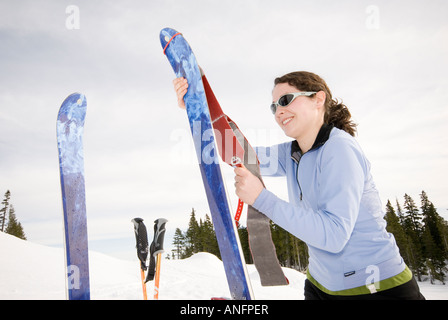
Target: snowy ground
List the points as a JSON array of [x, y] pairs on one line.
[[32, 271]]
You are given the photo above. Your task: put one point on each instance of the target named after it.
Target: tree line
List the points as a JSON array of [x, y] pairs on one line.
[[421, 235], [200, 237], [8, 221]]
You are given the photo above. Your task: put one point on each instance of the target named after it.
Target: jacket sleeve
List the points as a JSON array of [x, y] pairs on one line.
[[340, 177]]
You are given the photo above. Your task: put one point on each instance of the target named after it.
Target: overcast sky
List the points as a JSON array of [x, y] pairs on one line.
[[387, 60]]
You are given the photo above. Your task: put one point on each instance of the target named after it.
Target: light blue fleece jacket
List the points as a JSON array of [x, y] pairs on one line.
[[334, 207]]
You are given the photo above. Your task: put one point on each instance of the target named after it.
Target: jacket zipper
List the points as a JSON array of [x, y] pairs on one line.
[[297, 175], [322, 137]]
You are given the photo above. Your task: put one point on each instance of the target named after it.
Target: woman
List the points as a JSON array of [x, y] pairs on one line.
[[334, 205]]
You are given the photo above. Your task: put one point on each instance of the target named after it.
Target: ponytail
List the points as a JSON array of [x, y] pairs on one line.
[[336, 113]]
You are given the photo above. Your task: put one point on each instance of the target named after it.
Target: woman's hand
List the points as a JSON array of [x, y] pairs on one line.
[[247, 186], [181, 87]]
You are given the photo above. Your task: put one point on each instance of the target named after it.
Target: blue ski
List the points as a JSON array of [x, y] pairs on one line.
[[184, 64], [70, 127]]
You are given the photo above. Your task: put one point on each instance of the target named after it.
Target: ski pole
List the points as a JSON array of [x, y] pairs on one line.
[[141, 238], [156, 251], [156, 282], [142, 273]]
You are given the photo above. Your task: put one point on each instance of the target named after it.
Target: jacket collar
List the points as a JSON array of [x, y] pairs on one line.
[[322, 137]]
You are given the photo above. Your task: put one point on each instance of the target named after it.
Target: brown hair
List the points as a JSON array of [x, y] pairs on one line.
[[336, 113]]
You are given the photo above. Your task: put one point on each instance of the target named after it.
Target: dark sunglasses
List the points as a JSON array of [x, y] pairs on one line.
[[286, 99]]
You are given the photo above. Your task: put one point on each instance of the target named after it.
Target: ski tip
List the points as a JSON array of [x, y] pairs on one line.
[[166, 35], [74, 105], [75, 98]]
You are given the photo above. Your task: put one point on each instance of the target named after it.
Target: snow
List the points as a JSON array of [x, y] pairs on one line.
[[31, 271]]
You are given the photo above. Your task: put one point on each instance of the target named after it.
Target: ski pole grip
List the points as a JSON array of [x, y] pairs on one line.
[[141, 238], [159, 235]]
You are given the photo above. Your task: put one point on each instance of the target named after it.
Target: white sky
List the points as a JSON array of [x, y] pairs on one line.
[[387, 60]]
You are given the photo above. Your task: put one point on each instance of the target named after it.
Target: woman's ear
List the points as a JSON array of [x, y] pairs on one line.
[[320, 99]]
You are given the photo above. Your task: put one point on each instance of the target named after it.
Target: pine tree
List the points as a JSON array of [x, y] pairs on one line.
[[179, 244], [394, 227], [400, 213], [432, 220], [209, 241], [14, 227], [199, 237], [192, 235], [434, 249], [444, 232], [413, 217], [4, 210], [413, 227]]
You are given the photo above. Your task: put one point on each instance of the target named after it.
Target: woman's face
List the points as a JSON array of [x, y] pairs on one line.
[[299, 116]]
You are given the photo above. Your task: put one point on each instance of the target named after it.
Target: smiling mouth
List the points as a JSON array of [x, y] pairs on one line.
[[286, 121]]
